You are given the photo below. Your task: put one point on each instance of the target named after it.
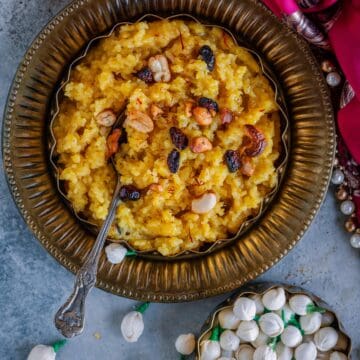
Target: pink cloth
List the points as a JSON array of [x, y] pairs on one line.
[[344, 37]]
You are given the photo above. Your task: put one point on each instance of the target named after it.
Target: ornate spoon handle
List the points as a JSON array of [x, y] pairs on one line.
[[69, 319]]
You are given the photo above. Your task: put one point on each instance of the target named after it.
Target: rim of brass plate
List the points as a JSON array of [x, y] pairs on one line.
[[282, 225], [245, 226], [259, 289]]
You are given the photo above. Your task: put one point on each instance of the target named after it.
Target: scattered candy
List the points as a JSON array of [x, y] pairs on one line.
[[278, 330], [271, 324], [210, 349], [258, 304], [283, 352], [274, 299], [291, 336], [228, 320], [327, 318], [310, 323], [264, 352], [244, 308], [245, 352], [132, 325], [300, 304], [248, 331], [326, 338], [262, 339], [185, 344], [336, 355], [115, 253], [44, 352], [229, 341], [306, 351], [286, 314]]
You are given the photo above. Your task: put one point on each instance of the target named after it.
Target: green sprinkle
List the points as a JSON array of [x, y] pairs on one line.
[[273, 341], [215, 334], [142, 307], [131, 253], [257, 318], [182, 357], [266, 311], [58, 345], [311, 308]]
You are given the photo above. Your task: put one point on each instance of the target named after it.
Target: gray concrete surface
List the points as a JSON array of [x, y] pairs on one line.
[[33, 284]]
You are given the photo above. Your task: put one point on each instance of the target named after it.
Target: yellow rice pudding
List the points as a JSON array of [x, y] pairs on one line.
[[195, 184]]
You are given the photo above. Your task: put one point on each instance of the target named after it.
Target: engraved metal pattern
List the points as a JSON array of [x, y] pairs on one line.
[[282, 225], [260, 289], [280, 169]]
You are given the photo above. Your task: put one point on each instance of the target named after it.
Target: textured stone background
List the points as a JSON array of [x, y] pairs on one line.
[[32, 284]]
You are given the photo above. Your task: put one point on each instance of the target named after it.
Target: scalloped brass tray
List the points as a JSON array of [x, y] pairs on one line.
[[29, 174]]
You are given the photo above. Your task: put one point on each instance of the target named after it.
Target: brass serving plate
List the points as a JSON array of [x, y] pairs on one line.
[[281, 162], [260, 289], [284, 222]]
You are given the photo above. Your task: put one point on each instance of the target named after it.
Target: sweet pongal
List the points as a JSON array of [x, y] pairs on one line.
[[196, 152]]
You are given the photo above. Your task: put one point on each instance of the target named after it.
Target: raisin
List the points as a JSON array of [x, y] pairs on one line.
[[173, 161], [208, 56], [232, 159], [146, 75], [178, 138], [129, 192], [209, 104]]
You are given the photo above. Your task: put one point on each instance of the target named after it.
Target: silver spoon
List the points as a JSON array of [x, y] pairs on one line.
[[70, 318]]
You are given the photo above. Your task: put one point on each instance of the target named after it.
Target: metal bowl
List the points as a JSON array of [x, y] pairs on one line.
[[281, 225], [260, 289]]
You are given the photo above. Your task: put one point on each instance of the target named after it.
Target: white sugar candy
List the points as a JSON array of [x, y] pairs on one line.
[[274, 299]]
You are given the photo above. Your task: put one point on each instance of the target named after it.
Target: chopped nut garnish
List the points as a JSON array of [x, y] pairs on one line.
[[204, 203], [156, 188], [200, 144], [247, 168], [159, 67], [106, 118], [155, 111], [256, 142], [112, 143], [188, 108], [202, 116], [226, 116], [139, 121]]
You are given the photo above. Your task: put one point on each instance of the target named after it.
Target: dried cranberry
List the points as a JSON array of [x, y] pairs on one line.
[[233, 161], [146, 75], [173, 161], [209, 104], [208, 56], [129, 192], [178, 138]]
